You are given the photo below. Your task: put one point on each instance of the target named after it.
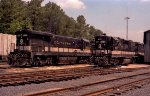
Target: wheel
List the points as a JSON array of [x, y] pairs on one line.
[[49, 61], [133, 60], [55, 60], [112, 61], [105, 60], [36, 62], [117, 61], [91, 60]]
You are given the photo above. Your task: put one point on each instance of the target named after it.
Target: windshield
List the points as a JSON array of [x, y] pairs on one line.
[[22, 42]]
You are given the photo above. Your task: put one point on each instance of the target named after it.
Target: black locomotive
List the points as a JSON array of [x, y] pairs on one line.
[[114, 51], [43, 48]]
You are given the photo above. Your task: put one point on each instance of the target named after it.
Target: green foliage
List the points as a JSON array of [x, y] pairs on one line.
[[17, 14], [34, 13], [12, 13], [52, 17]]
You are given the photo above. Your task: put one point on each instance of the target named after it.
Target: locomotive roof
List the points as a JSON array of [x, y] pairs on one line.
[[148, 31], [34, 32], [47, 34], [117, 38], [86, 40]]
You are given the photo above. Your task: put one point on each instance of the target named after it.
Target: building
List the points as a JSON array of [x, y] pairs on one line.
[[147, 46]]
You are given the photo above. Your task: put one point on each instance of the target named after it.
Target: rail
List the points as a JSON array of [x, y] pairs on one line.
[[41, 93]]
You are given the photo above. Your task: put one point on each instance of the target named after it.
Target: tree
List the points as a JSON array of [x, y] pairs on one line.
[[69, 26], [52, 16], [12, 16], [81, 22], [17, 14], [34, 13], [98, 32]]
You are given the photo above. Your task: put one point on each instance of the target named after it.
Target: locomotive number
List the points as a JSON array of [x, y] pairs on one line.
[[21, 41]]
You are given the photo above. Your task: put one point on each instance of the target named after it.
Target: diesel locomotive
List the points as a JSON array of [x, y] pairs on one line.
[[107, 50], [35, 48], [41, 48]]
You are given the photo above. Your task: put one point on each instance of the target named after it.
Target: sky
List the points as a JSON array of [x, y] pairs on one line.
[[109, 15]]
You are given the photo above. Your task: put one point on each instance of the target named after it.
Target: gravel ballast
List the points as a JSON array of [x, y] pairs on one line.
[[29, 88]]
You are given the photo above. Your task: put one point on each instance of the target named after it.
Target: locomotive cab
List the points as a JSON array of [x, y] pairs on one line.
[[25, 46], [103, 42], [22, 42], [21, 55], [102, 50]]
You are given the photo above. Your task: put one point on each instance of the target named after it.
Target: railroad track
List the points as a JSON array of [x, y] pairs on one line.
[[131, 80], [118, 90], [53, 75], [35, 77]]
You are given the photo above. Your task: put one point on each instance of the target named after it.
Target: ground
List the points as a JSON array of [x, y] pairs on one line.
[[30, 88]]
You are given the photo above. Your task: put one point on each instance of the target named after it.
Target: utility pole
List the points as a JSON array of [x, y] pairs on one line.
[[127, 18]]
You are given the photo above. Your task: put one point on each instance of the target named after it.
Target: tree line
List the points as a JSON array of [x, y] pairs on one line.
[[17, 14]]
